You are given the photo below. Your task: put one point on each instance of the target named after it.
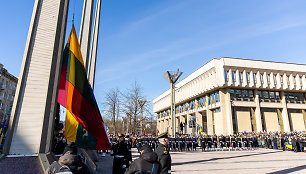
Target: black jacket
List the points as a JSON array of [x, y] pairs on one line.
[[164, 158], [72, 161], [145, 164]]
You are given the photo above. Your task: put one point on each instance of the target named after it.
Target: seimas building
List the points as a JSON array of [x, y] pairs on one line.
[[230, 95]]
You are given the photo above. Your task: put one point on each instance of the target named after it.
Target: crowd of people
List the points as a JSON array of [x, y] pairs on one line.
[[155, 151], [293, 141]]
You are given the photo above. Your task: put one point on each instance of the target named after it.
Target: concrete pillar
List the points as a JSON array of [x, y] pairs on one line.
[[244, 79], [297, 82], [253, 120], [226, 111], [280, 119], [230, 78], [285, 113], [272, 80], [30, 129], [177, 124], [210, 123], [265, 80], [259, 80], [278, 81], [291, 82], [199, 120], [94, 46], [252, 80], [257, 113], [85, 30], [285, 81], [237, 78], [303, 82], [304, 117]]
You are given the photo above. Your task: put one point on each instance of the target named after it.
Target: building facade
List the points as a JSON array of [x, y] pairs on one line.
[[231, 95], [8, 84]]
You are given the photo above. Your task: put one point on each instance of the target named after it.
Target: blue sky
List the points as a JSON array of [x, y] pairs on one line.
[[140, 40]]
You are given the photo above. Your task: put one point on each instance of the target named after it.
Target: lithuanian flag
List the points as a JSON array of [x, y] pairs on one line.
[[83, 124]]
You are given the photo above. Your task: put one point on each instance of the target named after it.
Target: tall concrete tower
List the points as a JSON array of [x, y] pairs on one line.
[[32, 118]]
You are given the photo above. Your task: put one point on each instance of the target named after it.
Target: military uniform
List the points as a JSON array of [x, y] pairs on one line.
[[121, 157], [163, 155], [164, 158]]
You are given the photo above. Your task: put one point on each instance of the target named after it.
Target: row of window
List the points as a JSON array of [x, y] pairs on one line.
[[237, 95], [200, 102], [241, 95], [266, 96], [269, 79]]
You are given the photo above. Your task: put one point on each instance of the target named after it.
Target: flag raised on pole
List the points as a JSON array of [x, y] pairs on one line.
[[83, 124]]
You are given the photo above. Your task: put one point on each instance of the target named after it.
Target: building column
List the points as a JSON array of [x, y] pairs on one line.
[[210, 123], [177, 119], [226, 111], [257, 113], [285, 113], [189, 130], [304, 116], [199, 120]]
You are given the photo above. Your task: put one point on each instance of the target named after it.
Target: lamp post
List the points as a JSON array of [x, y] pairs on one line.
[[172, 77]]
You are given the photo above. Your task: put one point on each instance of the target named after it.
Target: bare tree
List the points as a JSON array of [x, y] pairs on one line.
[[113, 107], [134, 105]]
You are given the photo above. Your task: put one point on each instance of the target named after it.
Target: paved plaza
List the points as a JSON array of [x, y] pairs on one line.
[[238, 162]]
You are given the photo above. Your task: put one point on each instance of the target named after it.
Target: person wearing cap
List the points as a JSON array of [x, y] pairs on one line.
[[70, 161], [146, 163], [121, 155], [163, 154]]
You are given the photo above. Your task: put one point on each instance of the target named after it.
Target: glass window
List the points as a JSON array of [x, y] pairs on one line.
[[226, 76], [254, 78], [271, 94], [238, 93], [240, 77], [247, 77], [244, 93], [233, 76], [277, 95], [251, 93], [265, 94]]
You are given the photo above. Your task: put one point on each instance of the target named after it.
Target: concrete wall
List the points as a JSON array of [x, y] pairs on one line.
[[271, 121], [244, 121], [297, 121]]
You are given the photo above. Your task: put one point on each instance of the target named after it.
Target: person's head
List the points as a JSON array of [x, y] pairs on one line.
[[164, 141], [144, 149], [121, 138], [163, 138], [71, 148]]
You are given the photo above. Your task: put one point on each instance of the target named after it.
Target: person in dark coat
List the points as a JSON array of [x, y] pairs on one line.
[[69, 159], [163, 154], [146, 164], [59, 144], [121, 156]]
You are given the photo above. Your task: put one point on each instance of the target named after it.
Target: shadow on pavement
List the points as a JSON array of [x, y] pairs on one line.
[[214, 159], [290, 170]]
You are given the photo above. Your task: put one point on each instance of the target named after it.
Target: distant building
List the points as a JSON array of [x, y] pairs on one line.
[[8, 84], [231, 95]]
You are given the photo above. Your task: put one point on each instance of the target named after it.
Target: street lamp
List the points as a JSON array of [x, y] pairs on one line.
[[172, 77]]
